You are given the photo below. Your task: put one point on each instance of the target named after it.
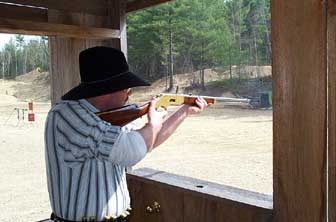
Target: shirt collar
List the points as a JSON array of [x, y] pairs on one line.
[[88, 105]]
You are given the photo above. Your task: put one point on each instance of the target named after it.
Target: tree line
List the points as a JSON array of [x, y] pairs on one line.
[[19, 56], [193, 35], [177, 37]]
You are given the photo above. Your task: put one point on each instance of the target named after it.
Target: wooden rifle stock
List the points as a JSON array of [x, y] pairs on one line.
[[122, 116], [191, 100]]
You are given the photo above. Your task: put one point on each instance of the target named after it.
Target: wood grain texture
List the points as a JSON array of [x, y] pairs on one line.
[[201, 208], [96, 7], [77, 18], [15, 26], [135, 188], [144, 195], [141, 4], [182, 200], [65, 51], [123, 31], [23, 13], [332, 109], [115, 14], [299, 110], [64, 66]]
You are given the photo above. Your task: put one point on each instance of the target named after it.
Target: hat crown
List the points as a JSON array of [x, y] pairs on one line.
[[103, 70], [101, 63]]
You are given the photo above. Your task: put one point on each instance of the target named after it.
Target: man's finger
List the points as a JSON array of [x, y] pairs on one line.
[[153, 103], [163, 114], [204, 101], [200, 105]]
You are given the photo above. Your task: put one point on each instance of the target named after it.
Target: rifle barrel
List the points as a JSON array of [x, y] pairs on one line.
[[228, 99], [217, 99]]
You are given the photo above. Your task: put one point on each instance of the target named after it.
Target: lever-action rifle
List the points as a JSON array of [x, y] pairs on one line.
[[126, 114]]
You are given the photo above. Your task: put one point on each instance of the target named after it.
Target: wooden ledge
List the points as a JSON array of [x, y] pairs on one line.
[[203, 188], [15, 26]]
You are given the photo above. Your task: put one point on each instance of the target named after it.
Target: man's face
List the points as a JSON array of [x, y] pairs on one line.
[[118, 99], [112, 100]]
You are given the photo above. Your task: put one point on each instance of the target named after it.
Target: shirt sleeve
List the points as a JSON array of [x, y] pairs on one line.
[[128, 149]]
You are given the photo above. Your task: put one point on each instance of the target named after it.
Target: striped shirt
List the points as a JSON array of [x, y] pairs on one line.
[[85, 161]]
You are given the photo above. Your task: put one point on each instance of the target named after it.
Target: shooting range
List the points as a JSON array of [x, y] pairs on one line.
[[304, 108]]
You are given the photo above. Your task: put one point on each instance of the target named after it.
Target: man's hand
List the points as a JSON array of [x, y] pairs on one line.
[[155, 118], [157, 130], [201, 104], [150, 131], [171, 123]]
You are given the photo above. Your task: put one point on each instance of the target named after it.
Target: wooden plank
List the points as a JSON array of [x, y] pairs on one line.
[[142, 4], [42, 28], [198, 209], [123, 31], [96, 7], [115, 14], [135, 188], [237, 212], [75, 18], [64, 66], [144, 195], [299, 110], [168, 198], [202, 200], [332, 110], [23, 13]]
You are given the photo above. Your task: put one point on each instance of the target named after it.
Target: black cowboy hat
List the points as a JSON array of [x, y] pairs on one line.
[[103, 70]]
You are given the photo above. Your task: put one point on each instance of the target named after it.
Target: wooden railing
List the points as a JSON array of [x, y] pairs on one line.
[[188, 199]]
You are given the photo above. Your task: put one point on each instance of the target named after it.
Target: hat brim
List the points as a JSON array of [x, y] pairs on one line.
[[88, 90]]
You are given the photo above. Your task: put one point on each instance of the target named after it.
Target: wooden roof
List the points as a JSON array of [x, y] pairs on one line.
[[34, 17], [96, 7]]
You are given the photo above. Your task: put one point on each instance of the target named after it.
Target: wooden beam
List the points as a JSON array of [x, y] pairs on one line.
[[23, 13], [142, 4], [96, 7], [299, 110], [42, 28], [188, 199], [332, 110], [123, 31], [76, 18], [114, 18]]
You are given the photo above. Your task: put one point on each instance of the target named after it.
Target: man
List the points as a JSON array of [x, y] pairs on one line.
[[86, 156]]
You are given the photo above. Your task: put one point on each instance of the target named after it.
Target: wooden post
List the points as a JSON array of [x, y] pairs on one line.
[[123, 33], [299, 36], [332, 109], [64, 52]]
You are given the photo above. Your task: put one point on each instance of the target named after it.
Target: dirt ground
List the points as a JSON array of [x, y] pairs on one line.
[[230, 146]]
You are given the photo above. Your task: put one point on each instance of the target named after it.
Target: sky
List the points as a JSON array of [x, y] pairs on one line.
[[4, 38]]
